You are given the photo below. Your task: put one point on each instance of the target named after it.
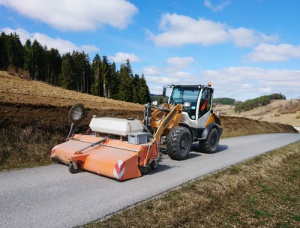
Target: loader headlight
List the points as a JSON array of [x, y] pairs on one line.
[[77, 113]]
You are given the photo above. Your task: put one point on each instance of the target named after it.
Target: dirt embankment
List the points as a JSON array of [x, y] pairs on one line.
[[34, 118], [54, 119], [31, 103]]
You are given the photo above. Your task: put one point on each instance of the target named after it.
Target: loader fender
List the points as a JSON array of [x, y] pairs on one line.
[[208, 129]]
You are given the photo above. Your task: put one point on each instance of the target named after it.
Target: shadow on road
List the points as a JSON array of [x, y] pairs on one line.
[[222, 148], [195, 148], [160, 168], [193, 154]]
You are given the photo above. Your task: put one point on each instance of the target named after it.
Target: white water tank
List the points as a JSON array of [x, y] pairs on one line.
[[115, 126]]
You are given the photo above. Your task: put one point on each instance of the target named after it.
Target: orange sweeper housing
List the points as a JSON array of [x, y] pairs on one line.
[[128, 148]]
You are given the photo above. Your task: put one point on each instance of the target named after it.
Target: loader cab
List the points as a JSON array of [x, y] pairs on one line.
[[196, 100]]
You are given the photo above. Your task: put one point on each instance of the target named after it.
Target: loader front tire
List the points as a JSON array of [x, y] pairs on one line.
[[210, 145], [179, 143]]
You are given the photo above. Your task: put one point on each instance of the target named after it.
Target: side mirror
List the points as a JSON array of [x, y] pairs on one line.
[[154, 103]]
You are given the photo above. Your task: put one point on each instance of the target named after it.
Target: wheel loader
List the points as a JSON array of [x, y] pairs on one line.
[[128, 148]]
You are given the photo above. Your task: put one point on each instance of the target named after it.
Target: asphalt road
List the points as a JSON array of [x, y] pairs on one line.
[[50, 196]]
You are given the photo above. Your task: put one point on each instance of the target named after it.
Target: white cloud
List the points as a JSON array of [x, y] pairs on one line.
[[240, 83], [179, 30], [265, 90], [243, 37], [156, 89], [171, 74], [122, 57], [181, 62], [162, 80], [218, 7], [151, 70], [273, 53], [76, 15], [63, 46], [247, 82]]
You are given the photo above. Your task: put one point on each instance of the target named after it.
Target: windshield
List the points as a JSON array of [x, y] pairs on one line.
[[184, 94]]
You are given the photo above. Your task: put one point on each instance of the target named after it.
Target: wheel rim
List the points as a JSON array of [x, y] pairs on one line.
[[183, 144]]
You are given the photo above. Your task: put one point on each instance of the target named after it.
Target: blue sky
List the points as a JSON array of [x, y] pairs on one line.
[[246, 48]]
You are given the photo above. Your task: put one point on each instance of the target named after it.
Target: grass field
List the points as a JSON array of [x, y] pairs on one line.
[[261, 192]]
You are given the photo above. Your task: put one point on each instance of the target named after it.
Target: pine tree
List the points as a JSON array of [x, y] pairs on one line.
[[97, 83], [28, 58], [126, 80], [106, 76], [114, 82], [144, 93], [66, 78], [135, 89], [53, 66], [14, 50], [3, 52], [38, 61]]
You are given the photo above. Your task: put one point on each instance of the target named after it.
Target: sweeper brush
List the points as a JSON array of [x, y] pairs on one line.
[[116, 148]]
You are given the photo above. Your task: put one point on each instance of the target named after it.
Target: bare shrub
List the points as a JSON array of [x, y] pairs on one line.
[[290, 108], [12, 70], [24, 74]]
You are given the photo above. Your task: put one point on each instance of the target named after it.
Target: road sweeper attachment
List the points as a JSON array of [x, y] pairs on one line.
[[116, 148]]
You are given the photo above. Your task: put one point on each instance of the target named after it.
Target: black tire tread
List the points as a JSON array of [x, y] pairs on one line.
[[174, 140], [205, 146]]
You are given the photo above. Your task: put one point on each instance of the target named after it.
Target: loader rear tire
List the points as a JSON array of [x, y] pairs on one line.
[[179, 143], [210, 145]]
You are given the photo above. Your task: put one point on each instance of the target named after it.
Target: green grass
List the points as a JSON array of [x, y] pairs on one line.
[[261, 192]]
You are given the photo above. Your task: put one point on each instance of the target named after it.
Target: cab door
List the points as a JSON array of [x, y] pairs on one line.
[[205, 106]]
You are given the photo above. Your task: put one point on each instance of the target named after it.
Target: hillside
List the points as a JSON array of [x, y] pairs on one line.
[[278, 111], [33, 118], [16, 90]]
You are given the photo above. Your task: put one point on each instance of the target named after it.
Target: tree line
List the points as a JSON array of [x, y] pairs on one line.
[[73, 71], [224, 101], [260, 101]]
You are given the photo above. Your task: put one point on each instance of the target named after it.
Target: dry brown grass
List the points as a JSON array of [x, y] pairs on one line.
[[291, 107], [26, 147], [262, 192], [13, 89], [285, 111]]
